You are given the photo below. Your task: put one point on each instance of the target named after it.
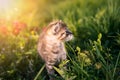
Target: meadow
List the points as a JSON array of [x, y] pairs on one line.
[[93, 54]]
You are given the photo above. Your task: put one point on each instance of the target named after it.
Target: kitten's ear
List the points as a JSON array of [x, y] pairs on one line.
[[56, 28]]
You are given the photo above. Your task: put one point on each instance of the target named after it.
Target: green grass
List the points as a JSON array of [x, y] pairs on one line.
[[94, 54]]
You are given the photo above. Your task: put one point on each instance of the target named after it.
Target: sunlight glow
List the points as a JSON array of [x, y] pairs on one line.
[[15, 15], [5, 4], [8, 8], [16, 9]]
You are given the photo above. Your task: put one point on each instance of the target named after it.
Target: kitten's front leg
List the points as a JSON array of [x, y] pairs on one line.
[[50, 70], [49, 66], [64, 57], [63, 52]]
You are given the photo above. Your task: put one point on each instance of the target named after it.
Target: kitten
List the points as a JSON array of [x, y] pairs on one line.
[[51, 46]]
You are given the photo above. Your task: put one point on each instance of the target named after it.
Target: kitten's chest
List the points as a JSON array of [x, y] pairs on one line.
[[61, 51]]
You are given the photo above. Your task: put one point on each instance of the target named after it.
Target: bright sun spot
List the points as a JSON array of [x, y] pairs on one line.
[[9, 8], [5, 4], [16, 9]]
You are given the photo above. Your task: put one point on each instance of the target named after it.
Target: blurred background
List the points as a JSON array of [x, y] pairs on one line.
[[93, 54]]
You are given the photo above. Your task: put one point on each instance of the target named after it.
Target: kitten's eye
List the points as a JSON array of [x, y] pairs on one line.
[[63, 33], [68, 32]]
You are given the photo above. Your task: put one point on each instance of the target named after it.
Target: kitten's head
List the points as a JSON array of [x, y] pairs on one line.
[[60, 31]]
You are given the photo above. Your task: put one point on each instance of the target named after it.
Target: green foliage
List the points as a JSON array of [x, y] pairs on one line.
[[94, 54]]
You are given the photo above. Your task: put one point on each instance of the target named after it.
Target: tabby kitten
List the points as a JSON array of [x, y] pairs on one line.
[[51, 46]]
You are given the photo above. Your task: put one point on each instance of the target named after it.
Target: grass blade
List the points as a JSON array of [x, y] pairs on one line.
[[40, 71], [116, 65]]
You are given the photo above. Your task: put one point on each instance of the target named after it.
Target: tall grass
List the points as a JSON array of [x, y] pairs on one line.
[[86, 24]]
